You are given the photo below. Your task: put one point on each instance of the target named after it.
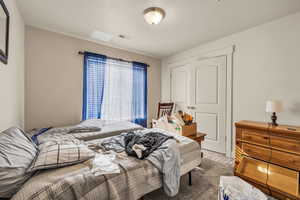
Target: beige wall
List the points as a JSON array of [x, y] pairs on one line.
[[54, 77], [12, 74], [266, 66]]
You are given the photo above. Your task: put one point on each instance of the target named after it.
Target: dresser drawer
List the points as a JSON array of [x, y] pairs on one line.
[[284, 159], [253, 170], [256, 137], [285, 144], [256, 152], [283, 180]]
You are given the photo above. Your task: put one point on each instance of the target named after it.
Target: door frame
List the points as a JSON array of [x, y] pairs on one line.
[[228, 52]]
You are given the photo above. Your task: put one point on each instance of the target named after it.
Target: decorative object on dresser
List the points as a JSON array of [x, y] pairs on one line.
[[274, 107], [268, 157]]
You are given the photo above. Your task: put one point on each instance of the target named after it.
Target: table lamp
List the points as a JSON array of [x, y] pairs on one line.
[[274, 107]]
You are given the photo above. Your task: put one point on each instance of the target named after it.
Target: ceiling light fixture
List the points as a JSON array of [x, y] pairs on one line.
[[154, 15]]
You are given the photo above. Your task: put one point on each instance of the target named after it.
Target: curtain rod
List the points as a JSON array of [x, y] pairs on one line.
[[112, 58]]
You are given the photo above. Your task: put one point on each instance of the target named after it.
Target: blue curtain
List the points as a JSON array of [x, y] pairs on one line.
[[139, 94], [93, 85]]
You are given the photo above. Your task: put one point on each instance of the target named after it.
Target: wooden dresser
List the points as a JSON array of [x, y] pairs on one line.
[[268, 157]]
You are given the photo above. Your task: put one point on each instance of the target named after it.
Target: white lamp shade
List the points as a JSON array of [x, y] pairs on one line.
[[274, 106]]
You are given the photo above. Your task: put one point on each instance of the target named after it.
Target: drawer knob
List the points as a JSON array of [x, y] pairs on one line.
[[266, 138]]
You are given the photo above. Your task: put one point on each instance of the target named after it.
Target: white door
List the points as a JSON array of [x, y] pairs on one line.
[[179, 86], [209, 99]]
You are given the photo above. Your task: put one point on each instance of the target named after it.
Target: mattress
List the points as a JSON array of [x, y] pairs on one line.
[[137, 178]]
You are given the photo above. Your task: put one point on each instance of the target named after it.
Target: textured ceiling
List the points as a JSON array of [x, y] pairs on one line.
[[188, 22]]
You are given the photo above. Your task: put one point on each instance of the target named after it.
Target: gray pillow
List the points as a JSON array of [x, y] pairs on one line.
[[17, 152], [60, 154]]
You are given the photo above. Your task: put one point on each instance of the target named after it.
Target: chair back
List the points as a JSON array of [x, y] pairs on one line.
[[164, 109]]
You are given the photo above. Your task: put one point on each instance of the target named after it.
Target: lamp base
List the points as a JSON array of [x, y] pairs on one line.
[[274, 119]]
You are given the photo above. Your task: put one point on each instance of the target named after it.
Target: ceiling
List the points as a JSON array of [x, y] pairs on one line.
[[188, 23]]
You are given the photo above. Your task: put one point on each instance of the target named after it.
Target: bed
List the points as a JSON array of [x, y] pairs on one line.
[[137, 177], [108, 128]]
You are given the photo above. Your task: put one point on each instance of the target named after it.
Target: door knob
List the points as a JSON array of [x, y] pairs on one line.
[[191, 107]]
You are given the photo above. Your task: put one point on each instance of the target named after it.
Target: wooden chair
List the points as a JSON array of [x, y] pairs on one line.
[[164, 109]]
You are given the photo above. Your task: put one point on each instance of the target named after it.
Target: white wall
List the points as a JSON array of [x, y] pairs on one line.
[[54, 77], [12, 74], [266, 66]]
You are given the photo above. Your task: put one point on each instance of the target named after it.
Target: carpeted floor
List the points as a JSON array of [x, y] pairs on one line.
[[205, 181]]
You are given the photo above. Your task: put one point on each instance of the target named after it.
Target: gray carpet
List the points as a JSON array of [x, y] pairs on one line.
[[205, 183]]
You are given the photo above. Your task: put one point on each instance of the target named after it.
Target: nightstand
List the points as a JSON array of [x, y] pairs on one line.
[[199, 138]]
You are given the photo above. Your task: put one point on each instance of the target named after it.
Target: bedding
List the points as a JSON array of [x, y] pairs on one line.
[[108, 128], [60, 154], [136, 178], [17, 151], [161, 150], [37, 133]]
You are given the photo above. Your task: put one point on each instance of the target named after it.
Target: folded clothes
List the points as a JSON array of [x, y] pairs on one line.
[[104, 164]]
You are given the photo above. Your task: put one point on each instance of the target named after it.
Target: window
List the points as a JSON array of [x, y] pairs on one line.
[[114, 90]]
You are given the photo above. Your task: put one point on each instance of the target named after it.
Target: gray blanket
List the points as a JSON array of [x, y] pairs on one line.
[[165, 158]]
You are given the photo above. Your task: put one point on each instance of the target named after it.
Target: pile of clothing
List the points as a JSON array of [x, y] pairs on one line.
[[141, 146], [160, 149]]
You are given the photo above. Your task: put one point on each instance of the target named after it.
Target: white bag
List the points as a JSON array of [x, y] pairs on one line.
[[162, 123], [234, 188]]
